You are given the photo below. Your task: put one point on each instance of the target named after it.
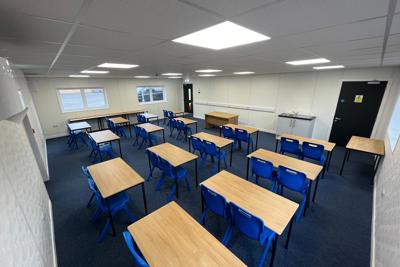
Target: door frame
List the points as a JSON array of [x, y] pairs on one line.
[[377, 123]]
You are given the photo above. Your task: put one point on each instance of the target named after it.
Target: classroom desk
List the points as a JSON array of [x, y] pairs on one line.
[[328, 146], [178, 112], [219, 142], [187, 121], [250, 131], [218, 118], [374, 147], [311, 170], [151, 128], [149, 116], [100, 117], [122, 121], [176, 156], [275, 210], [114, 176], [170, 237], [78, 126], [104, 137]]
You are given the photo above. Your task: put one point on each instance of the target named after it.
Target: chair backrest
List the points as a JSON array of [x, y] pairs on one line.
[[289, 145], [215, 202], [241, 135], [92, 142], [173, 123], [313, 151], [197, 144], [210, 148], [170, 114], [262, 168], [180, 125], [247, 223], [294, 180], [138, 261], [154, 159], [99, 199], [227, 132]]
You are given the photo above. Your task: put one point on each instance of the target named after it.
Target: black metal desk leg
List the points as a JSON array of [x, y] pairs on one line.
[[163, 135], [202, 207], [148, 157], [376, 165], [308, 198], [196, 126], [130, 130], [276, 144], [289, 233], [247, 168], [219, 159], [144, 199], [119, 144], [111, 218], [329, 160], [195, 169], [189, 149], [348, 155], [274, 250], [220, 130], [257, 139], [315, 188], [344, 161], [231, 155]]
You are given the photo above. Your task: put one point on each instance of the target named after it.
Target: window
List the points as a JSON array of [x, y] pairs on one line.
[[394, 126], [82, 99], [151, 94]]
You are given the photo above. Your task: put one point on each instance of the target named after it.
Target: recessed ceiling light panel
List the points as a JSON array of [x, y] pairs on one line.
[[223, 35], [329, 67], [243, 72], [207, 71], [117, 66], [78, 76], [95, 71], [206, 75], [142, 76], [171, 74], [174, 77], [308, 61]]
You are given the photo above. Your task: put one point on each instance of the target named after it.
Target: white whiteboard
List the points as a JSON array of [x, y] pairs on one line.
[[394, 126]]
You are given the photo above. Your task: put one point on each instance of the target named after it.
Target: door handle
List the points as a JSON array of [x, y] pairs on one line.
[[337, 119]]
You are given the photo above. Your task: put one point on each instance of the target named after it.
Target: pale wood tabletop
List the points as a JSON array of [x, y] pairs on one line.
[[175, 111], [149, 115], [186, 121], [114, 176], [171, 237], [104, 136], [119, 120], [275, 210], [373, 146], [220, 114], [79, 126], [149, 127], [176, 156], [217, 140], [249, 129], [328, 146], [311, 170]]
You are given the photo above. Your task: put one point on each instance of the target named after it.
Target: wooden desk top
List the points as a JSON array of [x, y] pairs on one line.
[[186, 121], [149, 115], [176, 156], [171, 237], [328, 146], [373, 146], [217, 140], [119, 120], [149, 127], [250, 130], [275, 210], [175, 111], [220, 114], [79, 126], [106, 115], [104, 136], [311, 170], [114, 176]]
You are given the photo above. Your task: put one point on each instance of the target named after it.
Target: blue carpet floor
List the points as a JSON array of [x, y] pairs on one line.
[[335, 232]]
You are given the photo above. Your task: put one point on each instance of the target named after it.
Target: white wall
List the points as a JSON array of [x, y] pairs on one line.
[[315, 93], [121, 95], [386, 209]]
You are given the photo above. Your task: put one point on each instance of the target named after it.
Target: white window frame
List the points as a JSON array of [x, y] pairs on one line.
[[83, 95], [151, 94]]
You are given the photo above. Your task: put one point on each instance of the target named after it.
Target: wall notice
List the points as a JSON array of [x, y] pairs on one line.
[[358, 99]]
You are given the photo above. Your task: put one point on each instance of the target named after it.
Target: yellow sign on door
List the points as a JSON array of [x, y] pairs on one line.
[[358, 99]]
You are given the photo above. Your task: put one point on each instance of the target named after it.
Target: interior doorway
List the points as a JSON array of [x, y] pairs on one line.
[[188, 98], [356, 110]]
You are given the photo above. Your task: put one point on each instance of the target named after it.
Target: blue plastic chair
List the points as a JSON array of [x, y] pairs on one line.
[[136, 129], [295, 181], [252, 226], [154, 163], [101, 150], [210, 149], [197, 145], [88, 176], [215, 203], [119, 130], [150, 139], [182, 128], [165, 114], [264, 169], [173, 124], [137, 258], [175, 173], [313, 151], [227, 132], [243, 136], [117, 203], [289, 145], [74, 136]]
